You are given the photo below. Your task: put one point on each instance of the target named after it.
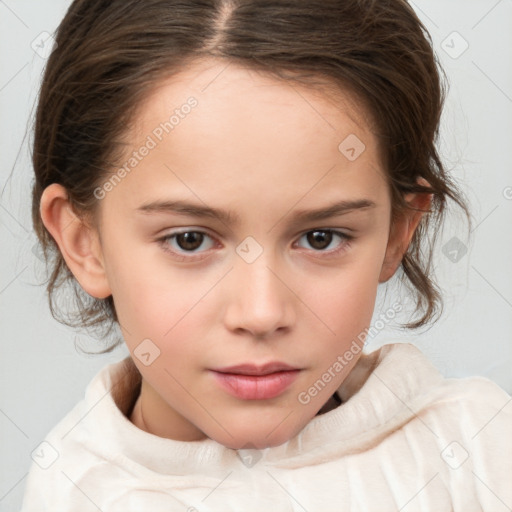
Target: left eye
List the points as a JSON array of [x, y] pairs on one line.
[[321, 239]]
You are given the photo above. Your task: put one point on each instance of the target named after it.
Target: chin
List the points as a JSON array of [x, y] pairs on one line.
[[258, 436]]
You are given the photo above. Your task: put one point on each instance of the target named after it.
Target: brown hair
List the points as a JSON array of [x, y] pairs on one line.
[[110, 53]]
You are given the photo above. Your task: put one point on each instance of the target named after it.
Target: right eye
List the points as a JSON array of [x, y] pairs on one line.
[[184, 243]]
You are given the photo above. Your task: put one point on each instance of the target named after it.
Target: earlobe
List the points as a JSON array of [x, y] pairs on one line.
[[402, 231], [77, 241]]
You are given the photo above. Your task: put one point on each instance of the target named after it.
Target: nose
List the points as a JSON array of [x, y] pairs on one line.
[[260, 301]]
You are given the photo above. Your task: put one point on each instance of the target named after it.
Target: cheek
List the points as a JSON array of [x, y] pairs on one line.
[[348, 310], [168, 306], [156, 309], [149, 297], [346, 300]]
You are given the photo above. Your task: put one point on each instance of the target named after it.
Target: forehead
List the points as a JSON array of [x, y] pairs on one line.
[[217, 83], [218, 128]]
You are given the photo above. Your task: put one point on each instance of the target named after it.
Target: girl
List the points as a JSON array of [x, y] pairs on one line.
[[229, 182]]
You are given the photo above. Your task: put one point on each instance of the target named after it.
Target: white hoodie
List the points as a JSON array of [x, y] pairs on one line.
[[403, 439]]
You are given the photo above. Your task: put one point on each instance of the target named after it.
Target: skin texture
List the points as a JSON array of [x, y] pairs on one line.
[[263, 149]]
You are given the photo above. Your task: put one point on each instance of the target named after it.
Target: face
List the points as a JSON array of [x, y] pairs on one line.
[[243, 248]]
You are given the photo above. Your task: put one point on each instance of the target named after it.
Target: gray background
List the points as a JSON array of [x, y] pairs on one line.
[[42, 376]]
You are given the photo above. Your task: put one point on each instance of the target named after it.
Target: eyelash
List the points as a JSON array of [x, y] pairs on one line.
[[344, 245]]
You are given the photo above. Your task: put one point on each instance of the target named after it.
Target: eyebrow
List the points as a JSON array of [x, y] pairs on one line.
[[231, 218]]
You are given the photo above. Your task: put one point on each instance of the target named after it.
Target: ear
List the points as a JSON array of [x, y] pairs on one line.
[[78, 242], [402, 231]]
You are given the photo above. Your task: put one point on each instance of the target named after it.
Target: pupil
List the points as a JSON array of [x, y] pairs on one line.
[[319, 239], [190, 240]]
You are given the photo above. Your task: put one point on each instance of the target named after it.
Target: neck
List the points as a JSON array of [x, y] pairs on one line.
[[153, 415]]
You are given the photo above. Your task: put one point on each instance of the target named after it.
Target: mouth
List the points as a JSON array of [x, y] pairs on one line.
[[256, 382], [257, 370]]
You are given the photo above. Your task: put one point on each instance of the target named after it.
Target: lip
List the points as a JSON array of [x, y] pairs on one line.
[[256, 382], [254, 369]]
